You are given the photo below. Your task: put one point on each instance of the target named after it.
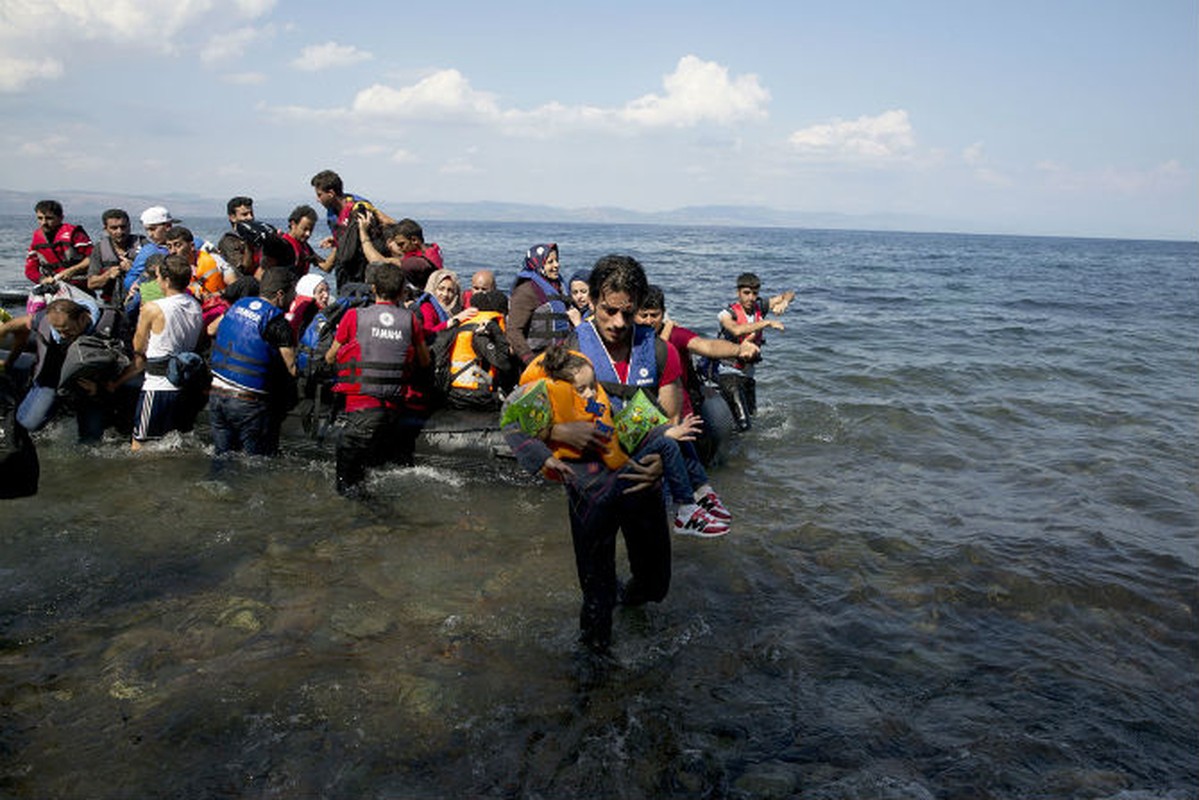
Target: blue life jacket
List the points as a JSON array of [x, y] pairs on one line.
[[646, 362], [548, 322], [318, 336], [425, 297], [241, 354]]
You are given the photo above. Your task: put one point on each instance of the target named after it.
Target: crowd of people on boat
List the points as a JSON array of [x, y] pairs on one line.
[[590, 381]]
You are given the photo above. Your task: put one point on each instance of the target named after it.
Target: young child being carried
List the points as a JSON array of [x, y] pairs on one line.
[[574, 396]]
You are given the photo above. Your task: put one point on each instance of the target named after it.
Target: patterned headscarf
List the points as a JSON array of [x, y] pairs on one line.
[[538, 253]]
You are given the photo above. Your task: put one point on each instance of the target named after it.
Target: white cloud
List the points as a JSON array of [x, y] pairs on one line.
[[17, 73], [973, 155], [975, 158], [1116, 180], [29, 29], [252, 9], [244, 78], [402, 156], [444, 94], [458, 166], [887, 136], [317, 57], [699, 91], [696, 92], [63, 151], [229, 46]]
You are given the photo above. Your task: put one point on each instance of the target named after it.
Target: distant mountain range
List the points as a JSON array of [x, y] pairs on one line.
[[81, 205]]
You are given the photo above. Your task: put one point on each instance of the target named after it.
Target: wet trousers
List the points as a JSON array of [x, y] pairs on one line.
[[598, 509]]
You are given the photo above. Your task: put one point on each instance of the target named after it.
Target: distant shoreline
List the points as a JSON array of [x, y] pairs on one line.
[[85, 204]]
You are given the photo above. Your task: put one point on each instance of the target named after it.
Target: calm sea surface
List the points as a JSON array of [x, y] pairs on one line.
[[964, 564]]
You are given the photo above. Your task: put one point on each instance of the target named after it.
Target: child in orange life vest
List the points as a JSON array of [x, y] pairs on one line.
[[588, 402]]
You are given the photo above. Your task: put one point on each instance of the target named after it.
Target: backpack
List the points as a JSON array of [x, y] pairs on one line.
[[350, 262], [317, 338], [94, 358], [439, 355], [490, 347]]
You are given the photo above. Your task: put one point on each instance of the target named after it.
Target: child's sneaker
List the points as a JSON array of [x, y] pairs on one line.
[[710, 502], [692, 520]]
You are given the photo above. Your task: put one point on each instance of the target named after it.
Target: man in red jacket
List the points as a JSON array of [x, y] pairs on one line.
[[59, 250]]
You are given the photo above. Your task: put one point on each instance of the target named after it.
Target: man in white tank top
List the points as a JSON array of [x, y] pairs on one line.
[[166, 327]]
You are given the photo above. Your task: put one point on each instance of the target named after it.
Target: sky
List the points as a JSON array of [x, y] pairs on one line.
[[1056, 117]]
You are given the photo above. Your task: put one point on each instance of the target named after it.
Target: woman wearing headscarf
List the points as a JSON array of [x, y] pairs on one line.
[[440, 305], [312, 294], [579, 308], [537, 308]]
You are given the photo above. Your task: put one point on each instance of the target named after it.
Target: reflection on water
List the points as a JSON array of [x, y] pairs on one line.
[[963, 564], [260, 636]]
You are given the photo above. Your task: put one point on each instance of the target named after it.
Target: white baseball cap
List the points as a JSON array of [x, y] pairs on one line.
[[157, 215]]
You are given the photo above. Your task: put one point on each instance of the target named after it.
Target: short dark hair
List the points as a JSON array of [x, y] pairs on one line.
[[65, 305], [409, 228], [388, 281], [488, 300], [178, 233], [614, 273], [114, 213], [154, 262], [302, 212], [177, 271], [560, 363], [237, 202], [748, 280], [328, 181], [276, 279], [655, 298], [232, 248], [48, 207]]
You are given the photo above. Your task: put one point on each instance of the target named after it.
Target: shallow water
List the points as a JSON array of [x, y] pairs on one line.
[[963, 564]]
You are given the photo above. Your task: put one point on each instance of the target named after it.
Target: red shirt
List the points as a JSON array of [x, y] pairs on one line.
[[678, 339], [347, 337]]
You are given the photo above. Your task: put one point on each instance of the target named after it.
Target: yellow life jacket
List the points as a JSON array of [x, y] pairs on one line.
[[468, 372]]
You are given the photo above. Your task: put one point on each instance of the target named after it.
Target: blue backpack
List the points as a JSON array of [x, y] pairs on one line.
[[318, 336]]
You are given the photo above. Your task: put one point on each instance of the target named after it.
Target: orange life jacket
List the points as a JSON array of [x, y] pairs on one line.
[[207, 277], [569, 406], [468, 372]]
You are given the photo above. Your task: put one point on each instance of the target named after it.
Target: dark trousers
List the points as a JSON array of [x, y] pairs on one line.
[[740, 392], [598, 509], [241, 424], [372, 437]]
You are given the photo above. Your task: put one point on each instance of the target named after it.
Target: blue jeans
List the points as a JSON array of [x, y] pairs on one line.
[[40, 403], [239, 424], [676, 468]]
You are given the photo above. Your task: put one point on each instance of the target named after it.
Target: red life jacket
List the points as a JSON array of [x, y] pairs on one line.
[[305, 255], [741, 318], [69, 246]]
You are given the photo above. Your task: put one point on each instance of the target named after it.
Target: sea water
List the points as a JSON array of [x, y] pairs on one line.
[[963, 563]]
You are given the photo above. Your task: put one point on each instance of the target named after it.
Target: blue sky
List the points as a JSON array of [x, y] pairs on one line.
[[1059, 117]]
